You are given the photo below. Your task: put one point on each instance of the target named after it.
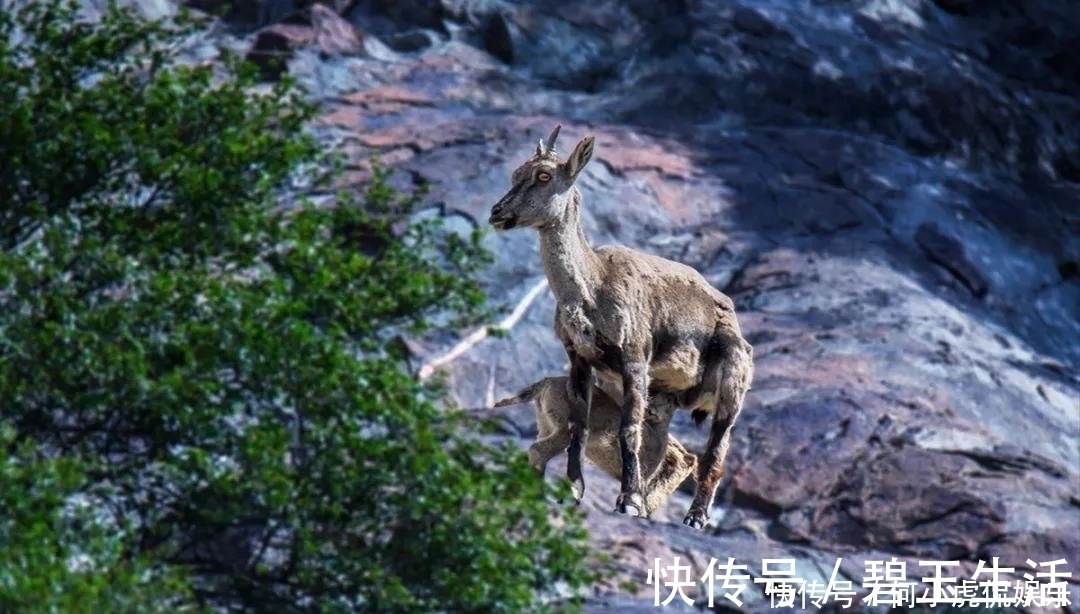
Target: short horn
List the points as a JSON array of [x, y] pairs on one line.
[[540, 147], [550, 147]]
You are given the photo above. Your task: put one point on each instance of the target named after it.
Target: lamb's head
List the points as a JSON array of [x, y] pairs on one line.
[[542, 188]]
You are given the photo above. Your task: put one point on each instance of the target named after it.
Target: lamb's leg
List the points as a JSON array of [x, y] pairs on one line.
[[736, 370], [547, 448], [635, 394], [581, 383], [678, 464]]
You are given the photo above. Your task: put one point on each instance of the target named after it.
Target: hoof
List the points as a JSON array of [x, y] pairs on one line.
[[631, 504], [571, 502], [696, 520], [577, 490]]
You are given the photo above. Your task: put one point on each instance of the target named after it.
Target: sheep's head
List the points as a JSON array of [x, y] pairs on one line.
[[540, 189]]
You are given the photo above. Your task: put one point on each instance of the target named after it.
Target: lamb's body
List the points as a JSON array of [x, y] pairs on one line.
[[638, 321], [665, 462]]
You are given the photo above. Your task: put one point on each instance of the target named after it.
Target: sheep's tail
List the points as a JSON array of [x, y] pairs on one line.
[[526, 394], [735, 372]]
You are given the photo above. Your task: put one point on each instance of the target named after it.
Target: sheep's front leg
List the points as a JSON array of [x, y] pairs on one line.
[[635, 396], [581, 384]]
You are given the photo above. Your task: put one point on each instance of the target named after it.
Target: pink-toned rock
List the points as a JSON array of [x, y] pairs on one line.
[[381, 99], [320, 25], [629, 152], [334, 35]]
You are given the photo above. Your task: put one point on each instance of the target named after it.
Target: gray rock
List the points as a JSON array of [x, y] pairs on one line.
[[497, 38], [887, 190], [411, 41], [949, 252]]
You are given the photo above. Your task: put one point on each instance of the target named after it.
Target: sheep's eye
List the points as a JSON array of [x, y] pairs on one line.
[[545, 177]]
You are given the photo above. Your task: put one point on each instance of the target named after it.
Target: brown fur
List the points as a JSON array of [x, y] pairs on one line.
[[665, 463], [638, 321]]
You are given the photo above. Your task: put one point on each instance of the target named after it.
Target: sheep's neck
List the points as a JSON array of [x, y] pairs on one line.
[[569, 261]]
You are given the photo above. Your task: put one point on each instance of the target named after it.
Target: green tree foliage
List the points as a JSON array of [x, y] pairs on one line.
[[202, 406], [59, 554]]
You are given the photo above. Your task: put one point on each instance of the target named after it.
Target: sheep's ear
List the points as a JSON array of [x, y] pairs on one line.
[[579, 157]]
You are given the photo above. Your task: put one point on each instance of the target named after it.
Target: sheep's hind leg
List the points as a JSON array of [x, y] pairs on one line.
[[736, 371], [710, 470]]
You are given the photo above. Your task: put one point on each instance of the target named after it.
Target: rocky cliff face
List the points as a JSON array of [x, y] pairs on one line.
[[889, 189]]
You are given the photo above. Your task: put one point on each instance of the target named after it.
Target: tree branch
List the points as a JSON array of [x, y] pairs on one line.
[[428, 369]]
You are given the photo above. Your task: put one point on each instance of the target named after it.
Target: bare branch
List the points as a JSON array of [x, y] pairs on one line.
[[489, 398], [428, 369]]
